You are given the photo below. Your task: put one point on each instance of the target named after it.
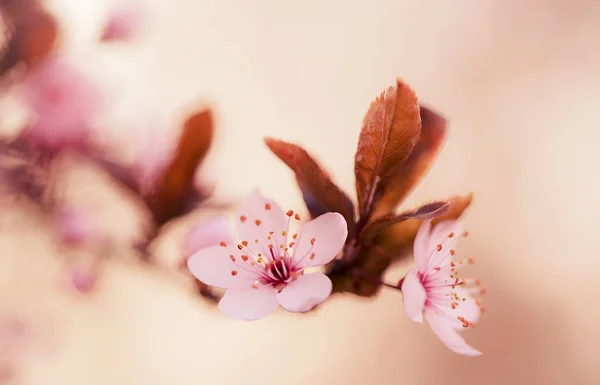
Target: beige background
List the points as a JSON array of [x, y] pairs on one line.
[[519, 83]]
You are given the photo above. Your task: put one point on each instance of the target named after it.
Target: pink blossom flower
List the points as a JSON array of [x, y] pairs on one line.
[[74, 226], [435, 288], [83, 280], [81, 274], [64, 103], [267, 268], [123, 23]]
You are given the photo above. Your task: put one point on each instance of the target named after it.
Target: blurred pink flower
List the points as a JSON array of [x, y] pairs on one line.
[[123, 23], [83, 279], [434, 287], [267, 268], [74, 226], [64, 103]]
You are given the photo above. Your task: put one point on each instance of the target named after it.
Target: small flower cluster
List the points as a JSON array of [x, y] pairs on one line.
[[65, 109], [276, 259]]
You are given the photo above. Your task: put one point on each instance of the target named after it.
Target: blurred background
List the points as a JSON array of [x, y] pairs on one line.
[[519, 83]]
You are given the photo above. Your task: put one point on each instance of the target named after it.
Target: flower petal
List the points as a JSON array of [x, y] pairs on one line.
[[414, 296], [249, 304], [215, 266], [421, 248], [440, 234], [328, 232], [63, 101], [209, 232], [468, 309], [123, 23], [444, 329], [444, 238], [257, 217], [74, 226], [305, 293]]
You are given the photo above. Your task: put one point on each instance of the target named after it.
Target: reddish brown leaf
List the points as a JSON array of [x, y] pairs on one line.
[[389, 132], [176, 189], [406, 176], [320, 193], [430, 210], [397, 239], [33, 38]]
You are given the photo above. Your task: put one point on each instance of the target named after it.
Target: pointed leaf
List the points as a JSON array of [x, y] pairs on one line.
[[389, 133], [406, 176], [175, 192], [33, 38], [430, 210], [398, 239], [320, 194]]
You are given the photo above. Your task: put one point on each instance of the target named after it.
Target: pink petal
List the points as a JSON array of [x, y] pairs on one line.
[[249, 304], [82, 276], [74, 226], [305, 292], [257, 217], [444, 329], [468, 309], [421, 247], [441, 231], [63, 101], [209, 232], [414, 296], [215, 267], [440, 236], [328, 232], [123, 23]]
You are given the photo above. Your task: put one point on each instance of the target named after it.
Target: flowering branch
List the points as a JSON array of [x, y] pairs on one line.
[[270, 261]]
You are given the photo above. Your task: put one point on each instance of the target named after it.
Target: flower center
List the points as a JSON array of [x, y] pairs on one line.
[[445, 288], [271, 256]]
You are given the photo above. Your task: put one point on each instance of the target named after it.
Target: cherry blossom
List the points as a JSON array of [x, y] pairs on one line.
[[435, 289], [63, 102], [123, 23], [74, 226], [267, 268]]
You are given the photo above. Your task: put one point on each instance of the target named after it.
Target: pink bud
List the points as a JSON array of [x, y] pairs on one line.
[[123, 23], [74, 226], [63, 104], [83, 280]]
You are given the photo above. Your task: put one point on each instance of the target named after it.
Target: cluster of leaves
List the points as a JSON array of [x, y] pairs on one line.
[[398, 143], [29, 161]]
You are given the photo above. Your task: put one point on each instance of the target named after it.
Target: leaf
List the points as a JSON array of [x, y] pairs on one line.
[[398, 239], [320, 194], [175, 193], [33, 38], [430, 210], [389, 132], [407, 175]]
